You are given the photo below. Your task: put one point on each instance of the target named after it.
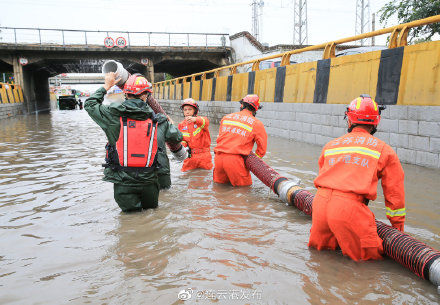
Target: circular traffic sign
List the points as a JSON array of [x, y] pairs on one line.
[[121, 42], [23, 61], [144, 61], [109, 42]]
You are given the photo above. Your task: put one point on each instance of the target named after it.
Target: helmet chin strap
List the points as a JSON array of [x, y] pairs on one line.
[[147, 95], [254, 113], [351, 126]]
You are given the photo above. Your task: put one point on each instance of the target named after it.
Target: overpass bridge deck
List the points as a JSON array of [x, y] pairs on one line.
[[100, 48], [35, 54]]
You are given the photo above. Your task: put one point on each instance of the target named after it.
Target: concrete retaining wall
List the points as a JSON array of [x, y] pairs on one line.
[[10, 110], [412, 131]]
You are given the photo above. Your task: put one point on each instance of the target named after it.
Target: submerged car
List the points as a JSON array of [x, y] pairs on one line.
[[360, 50], [67, 102], [273, 63]]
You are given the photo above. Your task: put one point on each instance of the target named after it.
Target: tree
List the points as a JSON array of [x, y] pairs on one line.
[[410, 10]]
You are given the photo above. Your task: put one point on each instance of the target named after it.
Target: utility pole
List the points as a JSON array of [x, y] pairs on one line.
[[257, 14], [300, 23], [362, 18], [373, 28]]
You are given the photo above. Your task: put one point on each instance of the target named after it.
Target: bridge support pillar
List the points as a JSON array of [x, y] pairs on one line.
[[18, 72], [150, 71], [19, 79], [35, 91], [40, 88]]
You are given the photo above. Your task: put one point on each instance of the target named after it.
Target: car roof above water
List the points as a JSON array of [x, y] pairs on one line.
[[360, 50]]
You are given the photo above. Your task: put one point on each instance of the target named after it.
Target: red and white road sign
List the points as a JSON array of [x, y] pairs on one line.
[[23, 61], [109, 42], [121, 42]]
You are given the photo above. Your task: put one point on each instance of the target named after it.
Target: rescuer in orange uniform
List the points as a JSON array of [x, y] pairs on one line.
[[237, 134], [196, 137], [349, 170]]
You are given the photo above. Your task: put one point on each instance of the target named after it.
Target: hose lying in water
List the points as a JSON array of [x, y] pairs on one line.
[[179, 152], [418, 257]]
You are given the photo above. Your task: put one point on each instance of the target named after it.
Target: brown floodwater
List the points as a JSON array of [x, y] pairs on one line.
[[63, 239]]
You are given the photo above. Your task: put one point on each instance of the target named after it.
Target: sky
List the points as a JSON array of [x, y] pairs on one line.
[[327, 19]]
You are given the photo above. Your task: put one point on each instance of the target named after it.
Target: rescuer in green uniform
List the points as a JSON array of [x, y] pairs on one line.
[[163, 172], [135, 187]]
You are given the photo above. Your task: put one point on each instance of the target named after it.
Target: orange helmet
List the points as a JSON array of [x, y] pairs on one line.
[[364, 110], [190, 102], [136, 84], [253, 100]]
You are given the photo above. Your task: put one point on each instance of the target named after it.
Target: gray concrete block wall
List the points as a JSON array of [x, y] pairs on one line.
[[10, 110], [412, 131]]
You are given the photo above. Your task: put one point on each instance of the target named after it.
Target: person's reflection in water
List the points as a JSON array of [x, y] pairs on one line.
[[329, 280], [200, 190], [145, 244], [237, 230]]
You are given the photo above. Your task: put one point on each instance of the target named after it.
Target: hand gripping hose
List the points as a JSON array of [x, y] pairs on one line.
[[418, 257], [179, 152]]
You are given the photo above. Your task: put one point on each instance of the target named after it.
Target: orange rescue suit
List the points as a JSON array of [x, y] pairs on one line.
[[196, 136], [349, 170], [237, 134]]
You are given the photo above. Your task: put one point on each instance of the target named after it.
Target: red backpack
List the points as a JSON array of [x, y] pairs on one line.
[[136, 148]]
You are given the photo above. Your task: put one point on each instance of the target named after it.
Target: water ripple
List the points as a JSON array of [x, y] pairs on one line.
[[63, 238]]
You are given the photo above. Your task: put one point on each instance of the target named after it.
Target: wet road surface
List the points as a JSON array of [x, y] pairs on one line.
[[64, 240]]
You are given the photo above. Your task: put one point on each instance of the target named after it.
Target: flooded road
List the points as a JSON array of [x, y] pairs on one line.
[[63, 239]]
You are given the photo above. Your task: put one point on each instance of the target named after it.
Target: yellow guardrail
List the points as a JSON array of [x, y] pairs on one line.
[[399, 34], [10, 93]]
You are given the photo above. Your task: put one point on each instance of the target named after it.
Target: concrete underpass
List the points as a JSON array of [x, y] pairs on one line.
[[48, 60]]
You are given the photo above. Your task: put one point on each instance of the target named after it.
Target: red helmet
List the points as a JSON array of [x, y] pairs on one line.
[[253, 100], [190, 102], [364, 110], [136, 84]]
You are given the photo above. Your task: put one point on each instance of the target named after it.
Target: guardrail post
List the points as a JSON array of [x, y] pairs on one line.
[[206, 40], [285, 60], [256, 66], [149, 39], [85, 38], [403, 36], [39, 35], [393, 39], [169, 40], [62, 31], [128, 36], [329, 51], [15, 35], [187, 37]]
